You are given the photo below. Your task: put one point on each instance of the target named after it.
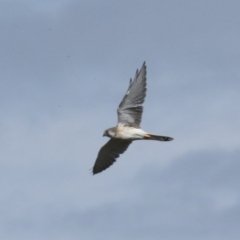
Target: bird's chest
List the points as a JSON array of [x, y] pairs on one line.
[[129, 133]]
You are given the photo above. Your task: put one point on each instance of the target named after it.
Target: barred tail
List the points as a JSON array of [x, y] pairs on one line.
[[158, 138]]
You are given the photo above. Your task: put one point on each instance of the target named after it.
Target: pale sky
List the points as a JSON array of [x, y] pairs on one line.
[[64, 68]]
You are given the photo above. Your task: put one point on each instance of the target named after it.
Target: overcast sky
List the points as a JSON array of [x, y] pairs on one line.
[[64, 68]]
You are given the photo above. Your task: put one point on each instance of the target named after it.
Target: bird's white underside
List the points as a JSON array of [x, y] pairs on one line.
[[129, 133]]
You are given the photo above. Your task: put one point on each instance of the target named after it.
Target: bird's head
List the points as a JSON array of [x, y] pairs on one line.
[[109, 133], [105, 134]]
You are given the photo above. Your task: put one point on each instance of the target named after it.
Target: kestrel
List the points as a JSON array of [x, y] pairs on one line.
[[128, 128]]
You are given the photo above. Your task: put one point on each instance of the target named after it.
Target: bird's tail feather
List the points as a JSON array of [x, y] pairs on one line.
[[157, 137]]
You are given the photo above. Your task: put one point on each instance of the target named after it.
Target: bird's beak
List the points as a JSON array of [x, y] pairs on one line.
[[104, 134]]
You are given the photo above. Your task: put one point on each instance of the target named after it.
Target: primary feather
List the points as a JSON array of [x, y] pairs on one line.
[[130, 109]]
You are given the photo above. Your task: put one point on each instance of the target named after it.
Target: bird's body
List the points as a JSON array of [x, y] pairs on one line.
[[128, 133], [128, 128]]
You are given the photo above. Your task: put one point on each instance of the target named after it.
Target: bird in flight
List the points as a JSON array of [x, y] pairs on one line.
[[128, 128]]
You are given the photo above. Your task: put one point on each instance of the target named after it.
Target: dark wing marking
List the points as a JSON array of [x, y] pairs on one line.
[[108, 154]]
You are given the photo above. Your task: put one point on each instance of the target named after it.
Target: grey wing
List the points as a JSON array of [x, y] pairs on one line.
[[108, 154], [130, 109]]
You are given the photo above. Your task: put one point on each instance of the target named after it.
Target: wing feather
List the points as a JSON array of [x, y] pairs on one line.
[[130, 109], [109, 153]]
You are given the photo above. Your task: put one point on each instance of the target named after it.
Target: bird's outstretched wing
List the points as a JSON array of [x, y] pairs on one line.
[[130, 109], [108, 154]]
